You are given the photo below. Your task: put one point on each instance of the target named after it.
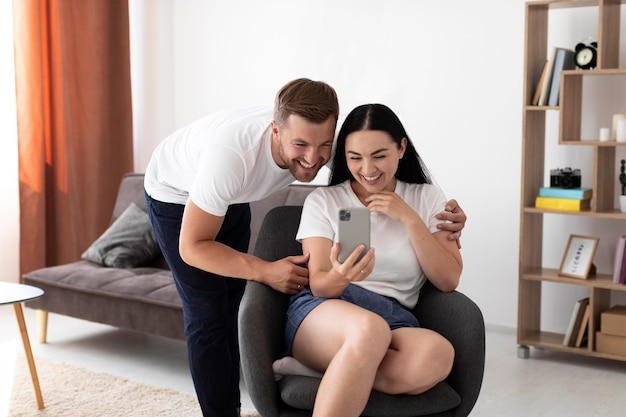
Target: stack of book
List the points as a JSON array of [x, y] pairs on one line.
[[547, 91], [619, 263], [568, 199], [577, 331]]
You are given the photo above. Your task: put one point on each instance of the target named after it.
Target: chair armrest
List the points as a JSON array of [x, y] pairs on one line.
[[263, 312], [458, 319], [262, 316]]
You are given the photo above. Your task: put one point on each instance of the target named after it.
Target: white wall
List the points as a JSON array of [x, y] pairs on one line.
[[9, 205], [152, 73], [451, 70]]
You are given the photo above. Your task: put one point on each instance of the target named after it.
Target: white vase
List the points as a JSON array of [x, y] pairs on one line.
[[622, 203]]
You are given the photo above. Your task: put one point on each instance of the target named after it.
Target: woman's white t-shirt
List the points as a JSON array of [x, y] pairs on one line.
[[216, 161], [397, 272]]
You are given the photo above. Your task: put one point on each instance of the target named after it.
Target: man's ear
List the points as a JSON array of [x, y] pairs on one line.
[[274, 127]]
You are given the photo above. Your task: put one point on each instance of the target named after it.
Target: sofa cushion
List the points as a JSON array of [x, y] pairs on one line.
[[299, 392], [129, 242], [149, 285]]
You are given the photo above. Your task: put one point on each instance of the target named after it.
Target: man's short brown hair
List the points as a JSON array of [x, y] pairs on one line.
[[316, 101]]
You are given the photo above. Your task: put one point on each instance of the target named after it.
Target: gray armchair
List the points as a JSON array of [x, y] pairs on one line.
[[262, 321]]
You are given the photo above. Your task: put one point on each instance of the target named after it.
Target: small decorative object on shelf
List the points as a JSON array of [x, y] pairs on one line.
[[565, 178], [617, 120], [605, 134], [578, 257], [586, 55], [620, 130], [622, 181]]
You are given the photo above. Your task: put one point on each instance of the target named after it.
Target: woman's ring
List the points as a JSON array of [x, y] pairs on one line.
[[363, 271], [299, 286]]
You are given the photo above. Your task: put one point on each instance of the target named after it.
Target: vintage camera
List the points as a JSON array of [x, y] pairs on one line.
[[565, 178]]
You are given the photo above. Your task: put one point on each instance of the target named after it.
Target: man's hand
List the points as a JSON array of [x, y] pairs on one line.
[[288, 275], [455, 214]]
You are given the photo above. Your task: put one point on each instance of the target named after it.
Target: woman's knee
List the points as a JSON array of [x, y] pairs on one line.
[[372, 326], [370, 334]]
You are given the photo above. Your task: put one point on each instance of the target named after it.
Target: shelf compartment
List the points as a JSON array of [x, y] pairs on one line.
[[529, 330], [571, 105], [554, 341]]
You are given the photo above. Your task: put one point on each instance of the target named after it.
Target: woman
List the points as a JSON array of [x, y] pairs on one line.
[[353, 322]]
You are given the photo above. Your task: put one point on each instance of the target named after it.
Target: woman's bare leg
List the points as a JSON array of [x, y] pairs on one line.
[[417, 360], [348, 343]]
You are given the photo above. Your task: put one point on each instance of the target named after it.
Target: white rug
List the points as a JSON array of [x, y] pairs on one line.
[[71, 391]]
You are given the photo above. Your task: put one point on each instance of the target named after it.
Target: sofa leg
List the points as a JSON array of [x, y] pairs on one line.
[[42, 325]]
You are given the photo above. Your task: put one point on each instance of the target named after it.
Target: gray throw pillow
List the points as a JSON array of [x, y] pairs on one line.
[[129, 242]]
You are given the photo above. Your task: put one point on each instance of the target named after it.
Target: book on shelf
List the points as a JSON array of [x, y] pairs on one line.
[[574, 323], [619, 256], [566, 204], [583, 193], [622, 272], [545, 88], [583, 329], [563, 60], [542, 79]]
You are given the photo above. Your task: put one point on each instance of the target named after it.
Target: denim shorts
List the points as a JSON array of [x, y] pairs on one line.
[[301, 304]]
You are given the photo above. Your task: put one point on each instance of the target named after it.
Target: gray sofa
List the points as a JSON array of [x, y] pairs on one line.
[[142, 299]]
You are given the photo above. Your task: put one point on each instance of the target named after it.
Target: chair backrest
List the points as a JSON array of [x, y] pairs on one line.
[[277, 235], [294, 195]]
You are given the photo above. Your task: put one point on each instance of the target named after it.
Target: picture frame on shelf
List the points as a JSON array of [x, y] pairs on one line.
[[577, 260]]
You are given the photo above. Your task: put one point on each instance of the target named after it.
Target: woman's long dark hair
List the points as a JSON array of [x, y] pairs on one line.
[[411, 169]]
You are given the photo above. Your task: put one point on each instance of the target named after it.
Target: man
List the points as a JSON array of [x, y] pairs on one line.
[[198, 185]]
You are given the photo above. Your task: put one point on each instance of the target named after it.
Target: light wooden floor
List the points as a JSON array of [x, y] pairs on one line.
[[548, 384]]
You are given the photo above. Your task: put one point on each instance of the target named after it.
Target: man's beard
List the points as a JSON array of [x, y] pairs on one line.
[[295, 168]]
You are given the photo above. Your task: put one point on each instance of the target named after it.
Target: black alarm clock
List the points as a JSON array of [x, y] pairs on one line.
[[586, 55]]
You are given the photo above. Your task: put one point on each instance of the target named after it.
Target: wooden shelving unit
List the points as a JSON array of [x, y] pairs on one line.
[[532, 274]]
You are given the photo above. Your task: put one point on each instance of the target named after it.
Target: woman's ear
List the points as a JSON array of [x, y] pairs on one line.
[[402, 149]]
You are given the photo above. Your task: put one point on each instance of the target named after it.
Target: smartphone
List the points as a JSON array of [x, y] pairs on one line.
[[353, 230]]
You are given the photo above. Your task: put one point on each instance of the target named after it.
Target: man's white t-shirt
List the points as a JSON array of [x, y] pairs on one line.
[[219, 160], [397, 272]]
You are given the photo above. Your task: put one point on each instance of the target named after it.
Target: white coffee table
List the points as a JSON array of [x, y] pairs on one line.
[[15, 294]]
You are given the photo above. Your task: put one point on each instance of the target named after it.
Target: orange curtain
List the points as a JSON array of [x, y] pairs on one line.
[[74, 123]]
